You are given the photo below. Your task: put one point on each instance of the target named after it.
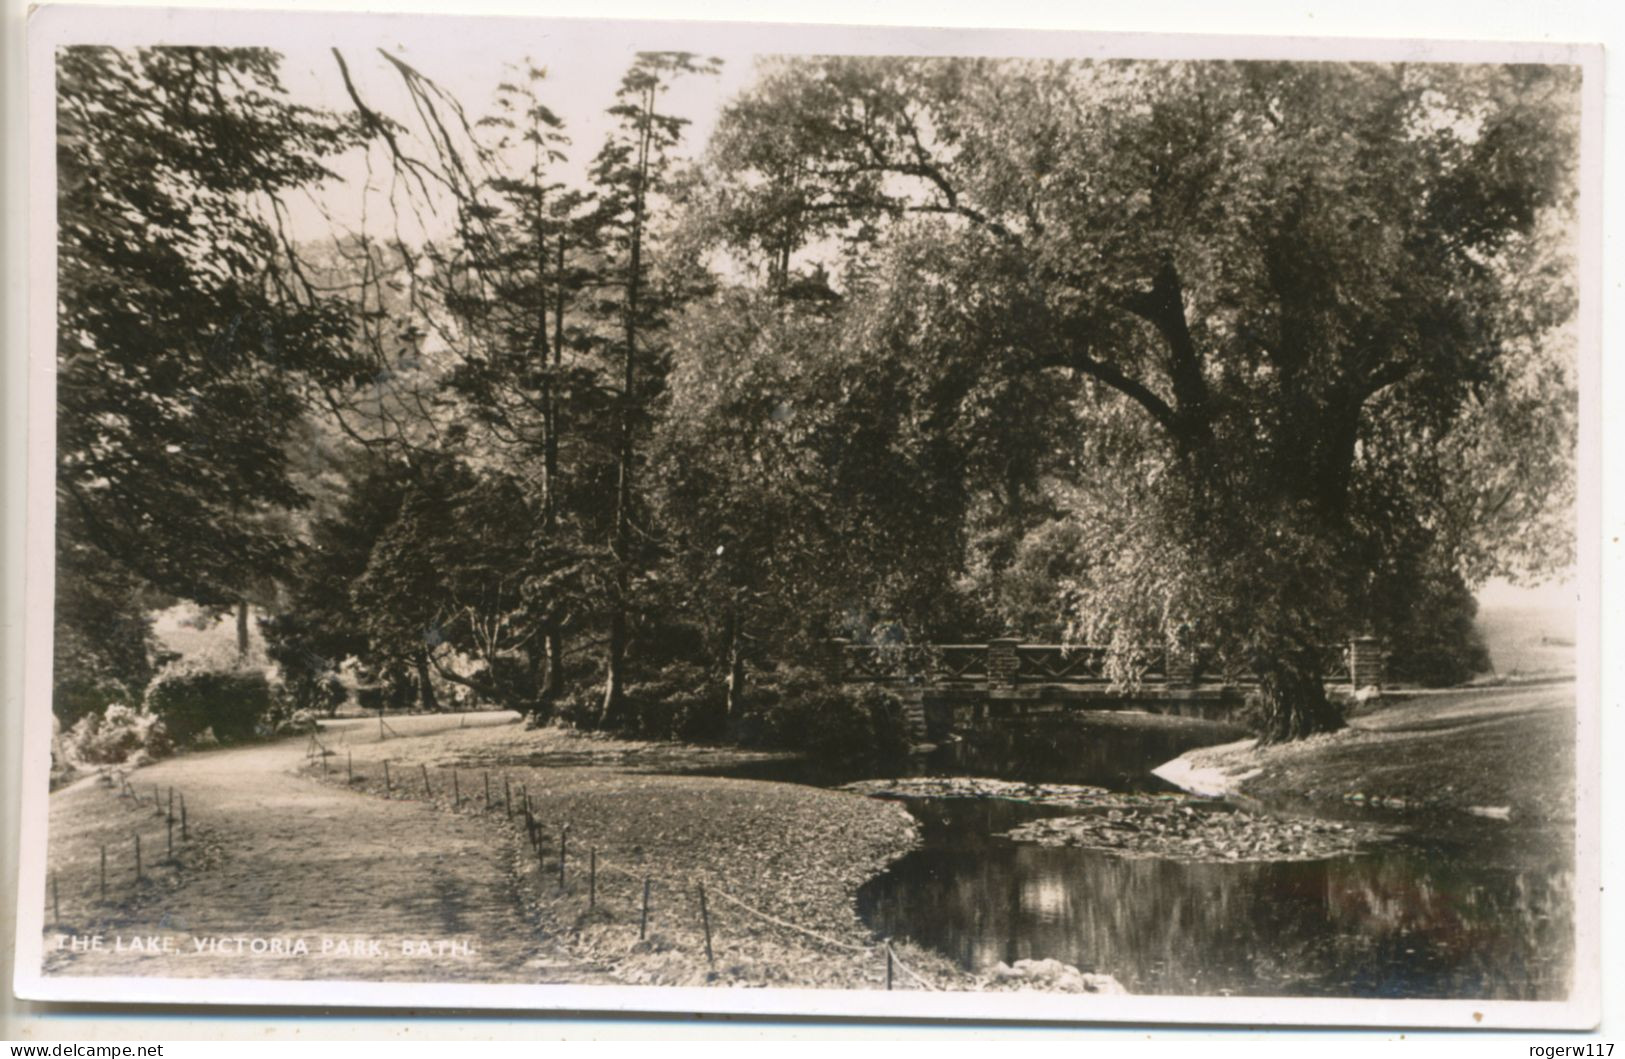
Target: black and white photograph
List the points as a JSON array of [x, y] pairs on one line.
[[601, 515]]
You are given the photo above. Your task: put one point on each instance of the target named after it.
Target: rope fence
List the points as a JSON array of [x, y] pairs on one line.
[[121, 866], [500, 794]]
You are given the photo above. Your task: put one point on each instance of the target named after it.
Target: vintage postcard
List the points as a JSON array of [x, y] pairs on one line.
[[809, 520]]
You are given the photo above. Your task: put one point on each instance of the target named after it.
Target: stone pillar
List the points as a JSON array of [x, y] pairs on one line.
[[835, 659], [1179, 665], [1002, 662], [1367, 662]]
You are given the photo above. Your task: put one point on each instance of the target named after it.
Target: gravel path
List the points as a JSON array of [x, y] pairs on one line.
[[276, 860]]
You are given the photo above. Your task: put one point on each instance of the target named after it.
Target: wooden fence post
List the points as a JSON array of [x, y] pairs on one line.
[[428, 792], [104, 871], [138, 858], [592, 878], [389, 788], [564, 838], [456, 792], [705, 918], [643, 921]]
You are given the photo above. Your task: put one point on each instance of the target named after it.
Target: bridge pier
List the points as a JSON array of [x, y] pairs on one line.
[[1003, 663], [1368, 662], [835, 660]]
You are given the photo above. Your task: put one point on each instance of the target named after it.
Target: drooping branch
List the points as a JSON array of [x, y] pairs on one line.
[[1163, 306], [1078, 359]]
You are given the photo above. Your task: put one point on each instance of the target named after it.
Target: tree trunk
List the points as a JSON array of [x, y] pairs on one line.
[[553, 677], [426, 697], [1292, 693], [614, 674], [553, 637], [242, 631], [736, 666], [613, 713], [546, 665]]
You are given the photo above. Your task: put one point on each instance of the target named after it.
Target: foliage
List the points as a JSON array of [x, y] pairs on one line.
[[1263, 355], [448, 575], [118, 735], [1301, 315], [579, 707], [178, 291], [103, 642], [680, 701], [189, 699], [1435, 642], [310, 681], [629, 176], [797, 709]]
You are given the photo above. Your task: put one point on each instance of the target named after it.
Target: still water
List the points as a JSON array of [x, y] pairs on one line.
[[1483, 912], [1408, 919]]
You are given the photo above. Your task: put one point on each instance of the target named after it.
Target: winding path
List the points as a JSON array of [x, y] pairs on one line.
[[281, 858]]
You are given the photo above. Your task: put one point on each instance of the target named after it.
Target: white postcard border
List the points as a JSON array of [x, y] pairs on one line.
[[52, 26]]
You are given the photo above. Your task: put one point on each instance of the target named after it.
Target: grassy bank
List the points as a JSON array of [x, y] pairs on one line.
[[1494, 753], [780, 863]]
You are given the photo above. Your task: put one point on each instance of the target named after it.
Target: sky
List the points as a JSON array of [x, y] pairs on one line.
[[582, 76]]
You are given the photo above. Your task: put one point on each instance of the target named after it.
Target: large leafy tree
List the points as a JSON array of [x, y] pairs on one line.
[[187, 340], [445, 577], [630, 177], [742, 494], [1311, 310]]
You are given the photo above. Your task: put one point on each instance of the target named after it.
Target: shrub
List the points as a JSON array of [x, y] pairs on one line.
[[191, 698], [797, 709], [300, 722], [679, 701], [511, 683], [333, 694], [73, 698], [309, 680], [580, 706], [117, 735]]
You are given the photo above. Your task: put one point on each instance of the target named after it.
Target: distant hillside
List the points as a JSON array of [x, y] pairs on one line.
[[1528, 640], [185, 630]]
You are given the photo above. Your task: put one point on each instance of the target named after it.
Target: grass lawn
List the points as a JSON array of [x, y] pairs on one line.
[[1490, 751]]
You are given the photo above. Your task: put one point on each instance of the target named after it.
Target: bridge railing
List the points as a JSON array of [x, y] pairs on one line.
[[1008, 662]]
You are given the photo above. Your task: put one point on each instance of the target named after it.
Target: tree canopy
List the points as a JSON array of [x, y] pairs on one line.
[[189, 343], [1291, 293], [1243, 357]]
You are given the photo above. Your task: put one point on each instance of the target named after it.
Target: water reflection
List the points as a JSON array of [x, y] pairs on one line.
[[1406, 921], [1105, 750], [1487, 915]]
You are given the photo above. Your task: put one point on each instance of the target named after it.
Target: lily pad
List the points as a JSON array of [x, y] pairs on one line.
[[1065, 795], [1188, 834]]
